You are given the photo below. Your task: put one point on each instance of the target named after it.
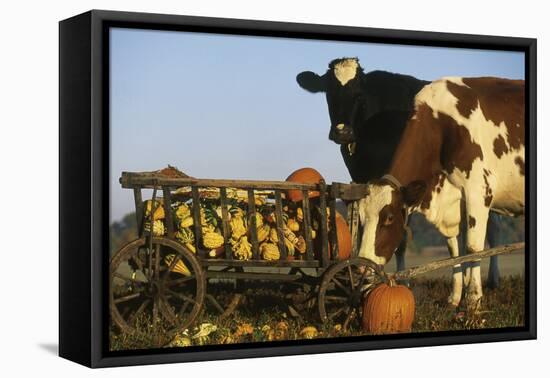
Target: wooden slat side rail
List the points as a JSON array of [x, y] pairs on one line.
[[355, 237], [280, 224], [132, 179], [225, 223], [323, 227], [307, 225], [138, 200], [196, 208], [253, 227], [333, 232], [168, 216]]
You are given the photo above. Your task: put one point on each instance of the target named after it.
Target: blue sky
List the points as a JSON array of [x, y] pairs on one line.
[[219, 106]]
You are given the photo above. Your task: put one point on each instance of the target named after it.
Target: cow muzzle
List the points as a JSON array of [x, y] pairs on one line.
[[341, 134]]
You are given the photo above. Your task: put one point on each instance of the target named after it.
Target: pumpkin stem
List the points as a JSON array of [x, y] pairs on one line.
[[391, 282]]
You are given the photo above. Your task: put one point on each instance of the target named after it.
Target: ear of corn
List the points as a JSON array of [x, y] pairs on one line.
[[179, 267]]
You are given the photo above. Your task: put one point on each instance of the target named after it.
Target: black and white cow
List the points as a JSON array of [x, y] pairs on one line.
[[466, 135], [368, 114]]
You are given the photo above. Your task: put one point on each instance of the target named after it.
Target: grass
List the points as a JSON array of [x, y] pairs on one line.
[[264, 316]]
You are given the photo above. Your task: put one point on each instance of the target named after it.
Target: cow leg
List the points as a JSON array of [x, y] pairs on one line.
[[456, 293], [478, 214], [462, 237], [494, 239]]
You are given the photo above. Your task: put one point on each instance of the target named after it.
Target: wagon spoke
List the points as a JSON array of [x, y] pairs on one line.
[[336, 313], [125, 278], [150, 264], [128, 297], [351, 278], [181, 296], [335, 298], [179, 281], [362, 279], [140, 310], [138, 261], [339, 284], [169, 313], [349, 318], [157, 261], [182, 309], [155, 311]]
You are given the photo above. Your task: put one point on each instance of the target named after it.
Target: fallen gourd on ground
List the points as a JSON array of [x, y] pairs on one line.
[[388, 308]]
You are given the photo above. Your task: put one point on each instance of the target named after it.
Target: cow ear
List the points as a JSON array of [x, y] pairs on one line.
[[311, 82], [413, 193]]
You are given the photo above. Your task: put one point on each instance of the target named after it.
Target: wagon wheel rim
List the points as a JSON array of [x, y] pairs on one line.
[[342, 289], [157, 296]]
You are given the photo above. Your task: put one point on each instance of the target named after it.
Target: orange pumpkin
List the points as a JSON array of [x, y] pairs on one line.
[[304, 176], [344, 239], [388, 308]]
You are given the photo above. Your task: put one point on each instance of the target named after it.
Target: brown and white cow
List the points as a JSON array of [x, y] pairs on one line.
[[468, 132]]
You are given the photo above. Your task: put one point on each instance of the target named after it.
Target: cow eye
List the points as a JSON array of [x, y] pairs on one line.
[[388, 220]]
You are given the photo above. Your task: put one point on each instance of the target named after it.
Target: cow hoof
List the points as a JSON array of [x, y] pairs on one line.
[[452, 302]]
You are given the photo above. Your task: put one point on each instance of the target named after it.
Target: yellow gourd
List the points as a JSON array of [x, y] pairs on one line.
[[237, 226], [293, 225], [186, 222], [212, 240], [183, 211], [270, 251], [242, 248], [159, 209], [263, 232]]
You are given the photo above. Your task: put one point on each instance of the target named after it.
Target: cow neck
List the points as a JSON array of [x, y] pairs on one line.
[[417, 156]]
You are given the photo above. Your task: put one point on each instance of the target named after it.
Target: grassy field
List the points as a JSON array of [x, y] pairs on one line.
[[264, 315]]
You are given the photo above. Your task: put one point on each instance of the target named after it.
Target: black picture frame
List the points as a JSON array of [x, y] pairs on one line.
[[84, 191]]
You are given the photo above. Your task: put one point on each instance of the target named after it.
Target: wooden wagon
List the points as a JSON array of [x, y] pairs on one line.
[[144, 287], [147, 291]]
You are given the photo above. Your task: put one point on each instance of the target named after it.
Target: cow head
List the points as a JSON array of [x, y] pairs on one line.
[[383, 214], [343, 89]]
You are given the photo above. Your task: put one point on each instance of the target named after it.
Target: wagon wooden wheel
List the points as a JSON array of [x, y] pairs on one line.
[[342, 288], [155, 285]]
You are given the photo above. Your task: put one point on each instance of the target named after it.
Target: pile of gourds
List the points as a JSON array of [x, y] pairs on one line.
[[238, 222]]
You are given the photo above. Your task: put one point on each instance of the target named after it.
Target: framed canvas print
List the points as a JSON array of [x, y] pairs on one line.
[[234, 188]]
